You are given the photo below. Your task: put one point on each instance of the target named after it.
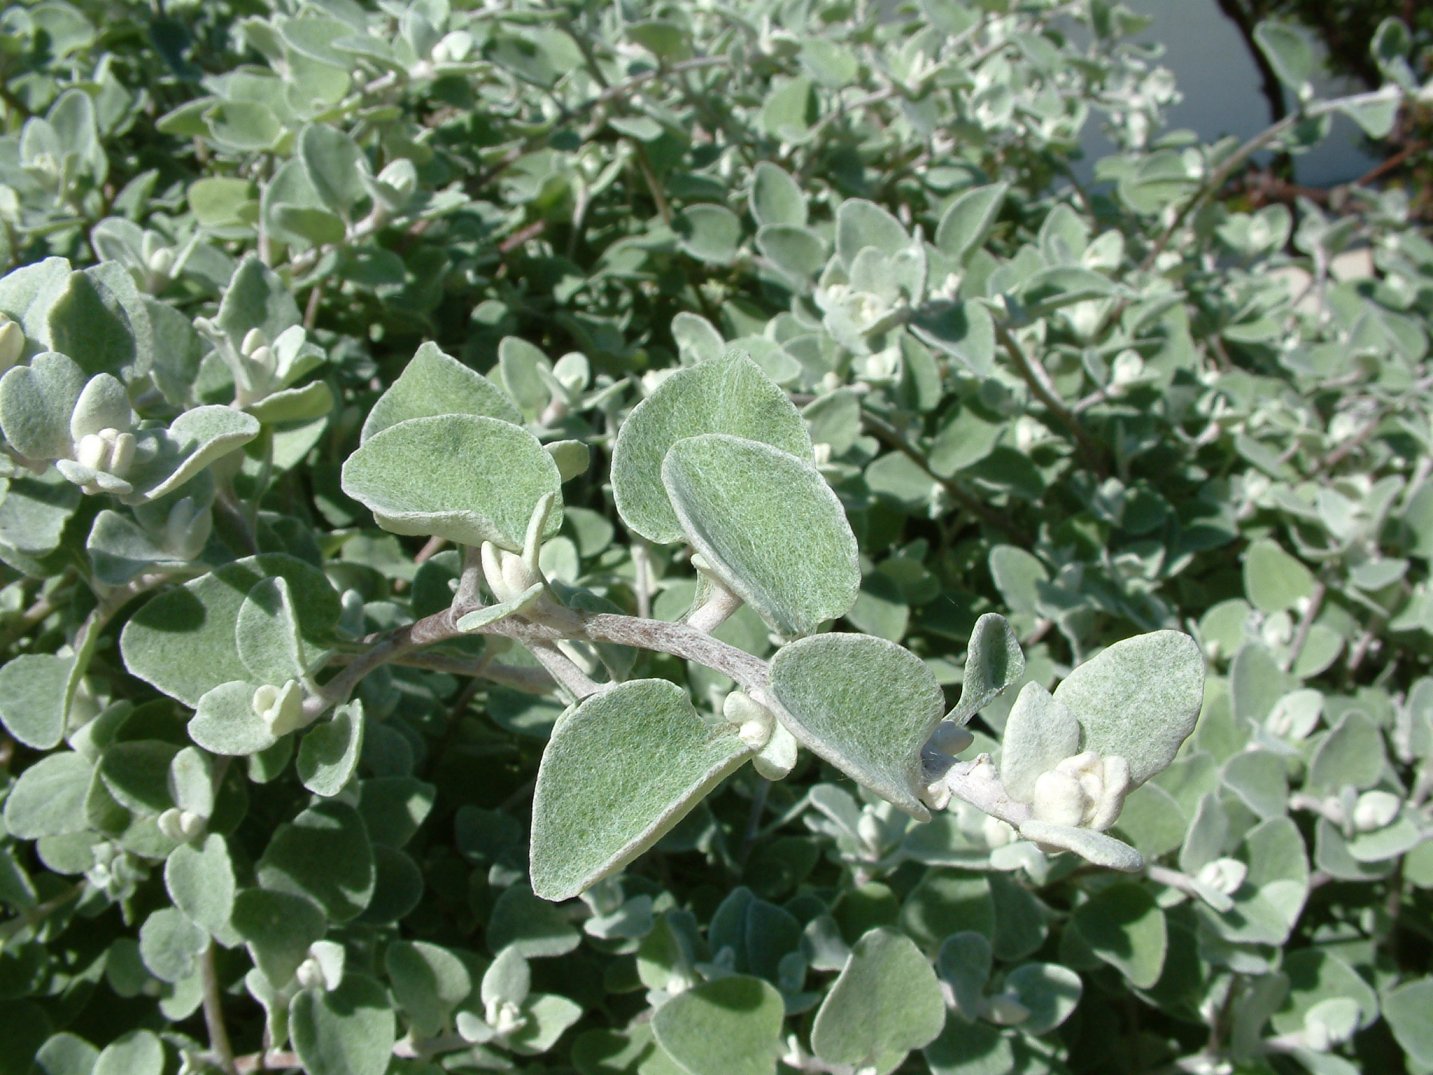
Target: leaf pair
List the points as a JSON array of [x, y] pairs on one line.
[[719, 456]]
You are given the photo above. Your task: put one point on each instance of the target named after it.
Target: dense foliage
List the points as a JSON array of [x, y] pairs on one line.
[[764, 381]]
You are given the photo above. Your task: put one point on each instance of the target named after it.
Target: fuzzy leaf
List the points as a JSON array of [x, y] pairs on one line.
[[328, 755], [1125, 928], [1098, 847], [1050, 992], [730, 395], [621, 769], [861, 224], [457, 476], [769, 525], [864, 704], [435, 383], [182, 641], [194, 440], [200, 881], [48, 799], [1138, 699], [885, 1002], [993, 661], [1039, 734], [225, 722], [35, 692], [36, 402], [323, 854], [730, 1026], [776, 198], [964, 225], [349, 1031], [278, 928]]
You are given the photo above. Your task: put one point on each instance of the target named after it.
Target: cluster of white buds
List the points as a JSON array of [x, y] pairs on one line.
[[109, 450], [504, 1016], [281, 708], [181, 825], [1084, 791], [12, 343], [1374, 810], [1223, 875]]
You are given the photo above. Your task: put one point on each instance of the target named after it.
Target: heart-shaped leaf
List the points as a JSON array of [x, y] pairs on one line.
[[266, 633], [182, 641], [621, 769], [885, 1002], [435, 383], [457, 476], [864, 704], [36, 402], [225, 721], [328, 755], [1138, 699], [349, 1031], [729, 1026], [768, 525], [35, 692], [728, 395]]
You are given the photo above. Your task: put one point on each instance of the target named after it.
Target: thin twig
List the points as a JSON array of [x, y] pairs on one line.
[[219, 1045], [1043, 388]]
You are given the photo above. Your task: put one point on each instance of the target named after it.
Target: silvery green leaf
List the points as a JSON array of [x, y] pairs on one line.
[[256, 298], [335, 166], [776, 198], [36, 402], [968, 219], [1048, 990], [349, 1031], [697, 340], [1138, 699], [769, 527], [885, 1002], [622, 767], [1289, 53], [1039, 733], [194, 440], [121, 550], [730, 1026], [192, 783], [1268, 904], [1125, 928], [572, 457], [709, 233], [508, 980], [1098, 847], [964, 961], [458, 476], [278, 928], [266, 633], [26, 295], [182, 641], [328, 755], [1351, 754], [35, 693], [435, 383], [1274, 580], [864, 704], [103, 403], [313, 400], [523, 369], [48, 799], [226, 723], [428, 981], [861, 224], [200, 880], [1405, 1009], [101, 321], [993, 661], [137, 1052], [797, 251], [480, 618], [325, 855], [729, 395]]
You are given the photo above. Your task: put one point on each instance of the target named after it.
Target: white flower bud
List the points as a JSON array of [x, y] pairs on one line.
[[997, 833], [282, 708], [253, 340], [1085, 791], [12, 343], [1374, 810], [309, 974], [1223, 875], [753, 720], [505, 1018]]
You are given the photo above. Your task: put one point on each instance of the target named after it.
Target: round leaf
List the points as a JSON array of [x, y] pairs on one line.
[[457, 476], [434, 383], [1138, 699], [621, 769], [865, 705], [349, 1031], [323, 854], [769, 526], [182, 642], [1123, 926], [727, 395], [730, 1026]]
